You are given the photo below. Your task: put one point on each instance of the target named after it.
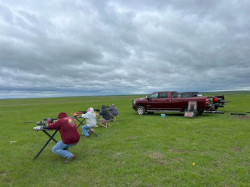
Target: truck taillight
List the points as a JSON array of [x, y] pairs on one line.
[[215, 99]]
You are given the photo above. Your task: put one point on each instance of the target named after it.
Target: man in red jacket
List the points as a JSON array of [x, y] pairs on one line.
[[69, 134]]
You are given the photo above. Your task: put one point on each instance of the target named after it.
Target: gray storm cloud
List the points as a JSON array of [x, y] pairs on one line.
[[70, 48]]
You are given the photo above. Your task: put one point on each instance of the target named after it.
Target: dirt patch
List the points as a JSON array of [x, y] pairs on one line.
[[132, 137], [176, 160], [176, 151], [160, 162], [3, 173], [237, 149], [158, 158], [156, 155]]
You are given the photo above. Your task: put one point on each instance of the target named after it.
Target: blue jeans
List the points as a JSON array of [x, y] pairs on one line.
[[85, 129], [62, 149]]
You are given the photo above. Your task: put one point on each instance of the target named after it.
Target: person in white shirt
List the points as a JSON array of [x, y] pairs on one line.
[[90, 121]]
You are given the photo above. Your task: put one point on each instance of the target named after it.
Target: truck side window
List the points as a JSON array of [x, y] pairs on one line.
[[163, 95], [175, 95], [153, 96]]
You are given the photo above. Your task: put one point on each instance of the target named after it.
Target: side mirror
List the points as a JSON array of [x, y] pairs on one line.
[[147, 97]]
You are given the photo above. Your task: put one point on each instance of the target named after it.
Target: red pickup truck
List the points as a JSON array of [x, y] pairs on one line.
[[168, 101]]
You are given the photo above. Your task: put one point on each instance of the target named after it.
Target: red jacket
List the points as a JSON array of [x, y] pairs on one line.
[[67, 128]]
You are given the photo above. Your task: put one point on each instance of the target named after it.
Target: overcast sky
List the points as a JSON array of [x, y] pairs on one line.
[[115, 47]]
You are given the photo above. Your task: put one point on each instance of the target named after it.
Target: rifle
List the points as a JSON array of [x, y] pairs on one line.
[[53, 119], [83, 112], [78, 114], [39, 123], [96, 110]]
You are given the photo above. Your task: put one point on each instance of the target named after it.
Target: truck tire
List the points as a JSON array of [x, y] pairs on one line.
[[140, 110]]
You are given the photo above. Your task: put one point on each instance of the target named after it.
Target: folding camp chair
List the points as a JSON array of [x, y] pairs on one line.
[[92, 130], [106, 123], [114, 118], [191, 110]]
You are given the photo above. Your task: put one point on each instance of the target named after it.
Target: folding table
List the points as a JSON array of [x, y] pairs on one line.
[[51, 137]]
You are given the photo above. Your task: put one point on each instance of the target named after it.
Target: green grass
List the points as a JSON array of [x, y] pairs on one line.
[[135, 151]]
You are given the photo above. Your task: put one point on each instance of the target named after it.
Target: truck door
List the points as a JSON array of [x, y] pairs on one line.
[[158, 101], [152, 101], [176, 101], [164, 101]]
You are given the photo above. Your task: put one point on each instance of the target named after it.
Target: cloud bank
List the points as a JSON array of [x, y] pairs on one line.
[[77, 48]]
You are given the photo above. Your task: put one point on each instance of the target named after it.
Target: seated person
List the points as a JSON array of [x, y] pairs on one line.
[[90, 121], [105, 115], [113, 110]]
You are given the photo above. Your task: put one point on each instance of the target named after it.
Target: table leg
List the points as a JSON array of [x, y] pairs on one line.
[[51, 137], [80, 122]]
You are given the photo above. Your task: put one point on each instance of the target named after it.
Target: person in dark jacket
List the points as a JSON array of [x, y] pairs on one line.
[[106, 116], [69, 134], [113, 110]]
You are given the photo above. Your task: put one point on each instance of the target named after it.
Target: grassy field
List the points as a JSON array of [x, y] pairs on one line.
[[210, 150]]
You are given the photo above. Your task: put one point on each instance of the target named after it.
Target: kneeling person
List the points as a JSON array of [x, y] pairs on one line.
[[69, 134], [90, 121]]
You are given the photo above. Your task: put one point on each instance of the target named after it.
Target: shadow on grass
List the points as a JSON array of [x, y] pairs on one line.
[[181, 114], [159, 114]]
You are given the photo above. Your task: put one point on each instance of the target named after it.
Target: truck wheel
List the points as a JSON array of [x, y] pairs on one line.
[[141, 110]]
